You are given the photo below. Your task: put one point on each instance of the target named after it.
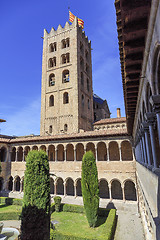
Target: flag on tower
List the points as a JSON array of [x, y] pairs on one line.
[[72, 17]]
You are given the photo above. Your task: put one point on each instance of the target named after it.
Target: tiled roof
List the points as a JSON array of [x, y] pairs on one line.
[[110, 120], [88, 134]]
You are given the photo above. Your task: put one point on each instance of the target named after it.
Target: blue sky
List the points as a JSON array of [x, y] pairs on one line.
[[22, 24]]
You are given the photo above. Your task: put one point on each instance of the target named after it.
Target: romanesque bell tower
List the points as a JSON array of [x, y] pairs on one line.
[[67, 96]]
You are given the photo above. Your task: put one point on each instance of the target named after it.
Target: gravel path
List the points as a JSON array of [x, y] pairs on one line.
[[129, 226]]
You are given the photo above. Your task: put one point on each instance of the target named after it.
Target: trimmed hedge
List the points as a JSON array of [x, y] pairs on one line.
[[110, 224], [103, 212], [73, 208], [11, 201], [9, 216]]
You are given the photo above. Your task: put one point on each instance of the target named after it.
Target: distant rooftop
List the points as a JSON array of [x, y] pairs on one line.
[[97, 99]]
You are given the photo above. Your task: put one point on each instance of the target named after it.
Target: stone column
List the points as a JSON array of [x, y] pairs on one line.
[[144, 146], [23, 158], [150, 120], [107, 150], [65, 154], [75, 192], [155, 101], [110, 191], [56, 155], [75, 158], [96, 154], [55, 188], [120, 155], [21, 185], [123, 194], [65, 189], [16, 159], [9, 155], [48, 154], [147, 141]]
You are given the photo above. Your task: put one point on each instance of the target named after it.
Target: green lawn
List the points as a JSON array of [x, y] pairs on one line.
[[9, 208], [9, 212], [77, 225]]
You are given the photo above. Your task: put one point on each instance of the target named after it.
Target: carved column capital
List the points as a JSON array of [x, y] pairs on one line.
[[155, 102], [150, 118]]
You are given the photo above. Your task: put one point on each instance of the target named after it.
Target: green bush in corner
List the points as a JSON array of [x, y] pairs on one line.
[[35, 218], [90, 189], [57, 201]]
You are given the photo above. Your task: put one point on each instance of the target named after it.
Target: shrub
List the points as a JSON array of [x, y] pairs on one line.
[[36, 200], [90, 190], [57, 202], [11, 201], [73, 208]]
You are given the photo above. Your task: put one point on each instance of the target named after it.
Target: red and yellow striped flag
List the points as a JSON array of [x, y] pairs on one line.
[[81, 23], [72, 17]]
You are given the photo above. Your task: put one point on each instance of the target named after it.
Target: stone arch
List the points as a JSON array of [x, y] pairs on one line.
[[126, 151], [60, 186], [51, 153], [103, 188], [10, 183], [43, 147], [1, 183], [26, 151], [20, 154], [130, 191], [78, 188], [13, 154], [114, 151], [51, 186], [35, 148], [102, 151], [116, 190], [70, 152], [79, 151], [69, 187], [60, 152], [3, 154], [91, 147], [17, 183]]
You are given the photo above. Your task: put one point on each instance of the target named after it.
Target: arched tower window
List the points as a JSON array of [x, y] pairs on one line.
[[65, 76], [82, 79], [87, 84], [52, 79], [52, 62], [65, 43], [88, 104], [65, 58], [51, 101], [65, 98], [81, 62], [65, 127], [50, 129], [53, 47]]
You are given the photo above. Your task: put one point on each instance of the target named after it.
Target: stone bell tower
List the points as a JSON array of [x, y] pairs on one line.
[[66, 95]]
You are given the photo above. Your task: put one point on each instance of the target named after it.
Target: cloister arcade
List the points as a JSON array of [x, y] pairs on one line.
[[103, 151], [115, 189]]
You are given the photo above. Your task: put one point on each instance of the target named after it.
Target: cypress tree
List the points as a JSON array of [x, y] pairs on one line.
[[90, 189], [35, 217]]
